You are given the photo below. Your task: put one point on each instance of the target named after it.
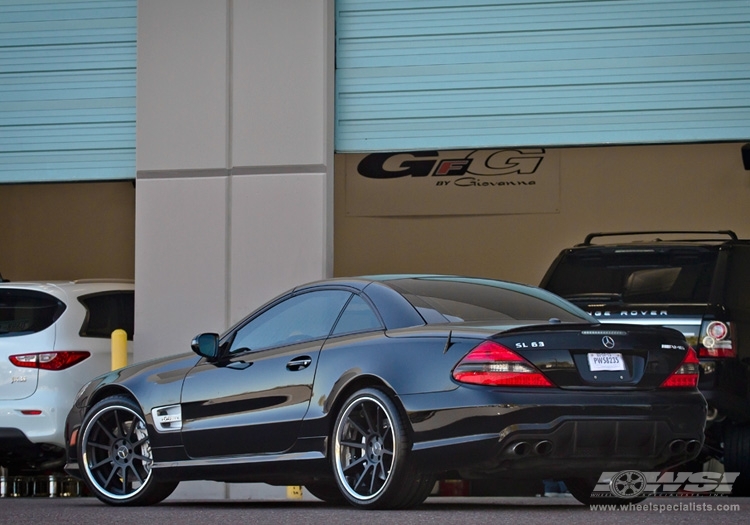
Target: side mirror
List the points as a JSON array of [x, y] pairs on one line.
[[206, 345]]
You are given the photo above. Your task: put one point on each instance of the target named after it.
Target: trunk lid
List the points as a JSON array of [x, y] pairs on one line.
[[619, 356]]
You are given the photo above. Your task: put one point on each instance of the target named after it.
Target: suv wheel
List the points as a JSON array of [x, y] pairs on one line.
[[737, 457]]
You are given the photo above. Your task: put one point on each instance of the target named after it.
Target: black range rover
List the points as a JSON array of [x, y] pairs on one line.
[[696, 282]]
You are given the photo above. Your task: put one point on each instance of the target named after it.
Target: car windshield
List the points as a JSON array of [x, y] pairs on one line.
[[636, 274], [469, 300], [27, 311]]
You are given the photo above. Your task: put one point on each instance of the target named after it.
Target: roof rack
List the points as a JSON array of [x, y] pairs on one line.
[[591, 236]]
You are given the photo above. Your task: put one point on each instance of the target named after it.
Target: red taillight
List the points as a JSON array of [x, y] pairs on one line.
[[716, 340], [686, 375], [493, 364], [49, 360]]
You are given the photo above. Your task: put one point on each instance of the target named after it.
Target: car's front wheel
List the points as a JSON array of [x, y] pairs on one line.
[[371, 454], [115, 455]]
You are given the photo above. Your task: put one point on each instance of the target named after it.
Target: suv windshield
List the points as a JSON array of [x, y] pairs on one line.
[[637, 274], [26, 311]]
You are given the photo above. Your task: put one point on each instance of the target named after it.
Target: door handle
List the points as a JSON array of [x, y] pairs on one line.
[[299, 363]]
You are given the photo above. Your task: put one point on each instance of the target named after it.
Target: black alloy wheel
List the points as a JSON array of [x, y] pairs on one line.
[[115, 455], [370, 454]]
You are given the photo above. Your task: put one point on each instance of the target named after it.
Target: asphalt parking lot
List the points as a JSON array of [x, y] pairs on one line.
[[436, 510]]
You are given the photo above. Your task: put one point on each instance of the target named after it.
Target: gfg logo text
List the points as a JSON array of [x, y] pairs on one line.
[[451, 163]]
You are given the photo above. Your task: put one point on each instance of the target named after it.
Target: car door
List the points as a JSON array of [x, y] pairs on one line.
[[253, 400]]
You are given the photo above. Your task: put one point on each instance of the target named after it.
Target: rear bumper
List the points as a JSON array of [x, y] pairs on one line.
[[653, 431], [17, 450]]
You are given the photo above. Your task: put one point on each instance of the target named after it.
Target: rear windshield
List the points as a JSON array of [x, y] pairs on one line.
[[26, 311], [655, 275], [440, 300]]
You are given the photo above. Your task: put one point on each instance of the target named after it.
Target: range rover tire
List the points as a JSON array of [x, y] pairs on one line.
[[737, 457]]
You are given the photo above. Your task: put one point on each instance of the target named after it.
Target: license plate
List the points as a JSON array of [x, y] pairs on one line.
[[600, 362]]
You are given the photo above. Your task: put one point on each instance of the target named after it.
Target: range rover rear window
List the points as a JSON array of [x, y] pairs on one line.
[[636, 275], [26, 311]]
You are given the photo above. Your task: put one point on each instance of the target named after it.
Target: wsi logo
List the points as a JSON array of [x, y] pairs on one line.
[[629, 484], [451, 163]]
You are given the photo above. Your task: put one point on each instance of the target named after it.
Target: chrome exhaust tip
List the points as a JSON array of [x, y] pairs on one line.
[[520, 449], [677, 446], [543, 448]]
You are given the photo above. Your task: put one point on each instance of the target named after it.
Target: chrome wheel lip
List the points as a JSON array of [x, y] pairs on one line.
[[121, 453], [374, 447]]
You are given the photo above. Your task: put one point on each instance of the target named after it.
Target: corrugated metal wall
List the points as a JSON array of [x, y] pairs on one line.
[[67, 90], [438, 74]]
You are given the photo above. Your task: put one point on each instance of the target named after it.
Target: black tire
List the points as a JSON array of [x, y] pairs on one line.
[[737, 457], [328, 492], [115, 455], [370, 454], [582, 489]]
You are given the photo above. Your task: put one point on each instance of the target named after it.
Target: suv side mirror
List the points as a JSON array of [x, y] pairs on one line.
[[206, 345]]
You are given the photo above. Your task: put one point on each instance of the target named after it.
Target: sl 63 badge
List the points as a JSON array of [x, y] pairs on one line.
[[532, 344]]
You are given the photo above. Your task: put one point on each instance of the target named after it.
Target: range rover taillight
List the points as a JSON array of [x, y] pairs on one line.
[[716, 340]]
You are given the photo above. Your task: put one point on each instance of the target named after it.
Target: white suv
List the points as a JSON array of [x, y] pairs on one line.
[[54, 337]]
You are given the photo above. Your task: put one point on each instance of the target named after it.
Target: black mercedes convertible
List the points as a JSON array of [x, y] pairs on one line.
[[368, 390]]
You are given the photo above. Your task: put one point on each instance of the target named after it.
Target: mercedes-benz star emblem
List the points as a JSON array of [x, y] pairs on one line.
[[608, 342]]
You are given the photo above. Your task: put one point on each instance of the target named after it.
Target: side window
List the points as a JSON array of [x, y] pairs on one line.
[[357, 317], [300, 318], [738, 298], [106, 312], [738, 281]]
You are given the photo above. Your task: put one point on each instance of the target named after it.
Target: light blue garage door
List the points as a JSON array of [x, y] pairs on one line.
[[67, 90], [440, 74]]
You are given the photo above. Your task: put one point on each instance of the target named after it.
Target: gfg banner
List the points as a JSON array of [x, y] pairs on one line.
[[453, 182]]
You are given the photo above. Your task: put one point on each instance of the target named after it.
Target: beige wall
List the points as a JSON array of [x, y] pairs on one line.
[[234, 158], [67, 231], [675, 187]]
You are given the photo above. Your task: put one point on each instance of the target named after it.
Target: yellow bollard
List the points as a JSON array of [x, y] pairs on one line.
[[119, 349]]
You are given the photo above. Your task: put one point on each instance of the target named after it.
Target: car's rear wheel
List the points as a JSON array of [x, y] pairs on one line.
[[115, 455], [371, 454]]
